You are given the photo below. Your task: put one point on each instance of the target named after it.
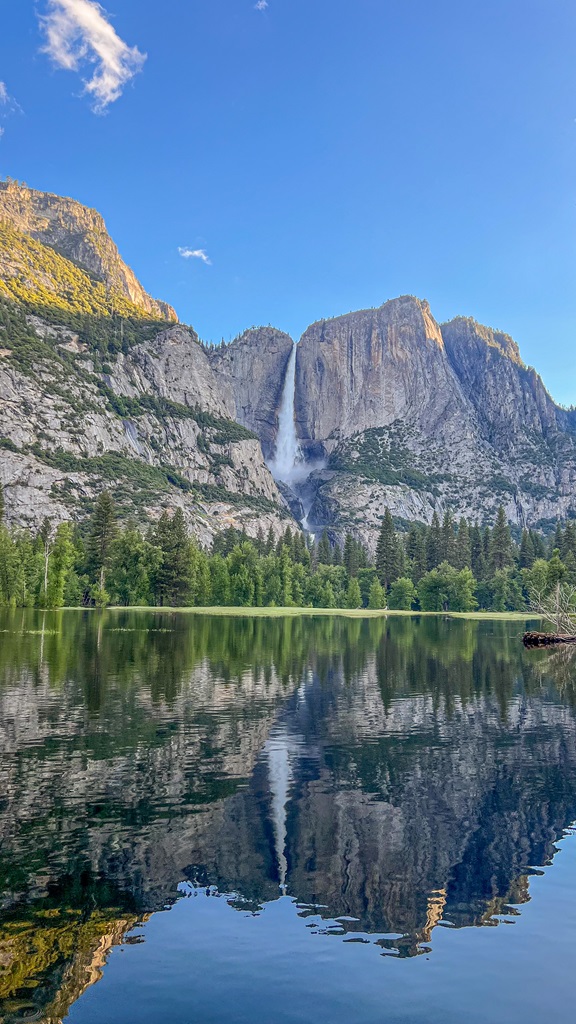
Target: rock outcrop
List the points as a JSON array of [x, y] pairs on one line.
[[254, 366], [155, 427], [79, 234], [422, 418], [372, 369]]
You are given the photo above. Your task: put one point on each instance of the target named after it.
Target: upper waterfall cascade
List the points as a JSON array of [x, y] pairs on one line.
[[288, 464]]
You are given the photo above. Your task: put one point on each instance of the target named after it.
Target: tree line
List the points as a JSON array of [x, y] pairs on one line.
[[443, 566]]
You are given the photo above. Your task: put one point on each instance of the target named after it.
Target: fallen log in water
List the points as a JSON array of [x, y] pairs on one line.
[[547, 639]]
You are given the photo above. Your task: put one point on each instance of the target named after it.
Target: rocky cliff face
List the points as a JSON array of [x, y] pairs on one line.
[[421, 418], [254, 366], [154, 426], [95, 393], [372, 369], [80, 235], [396, 409]]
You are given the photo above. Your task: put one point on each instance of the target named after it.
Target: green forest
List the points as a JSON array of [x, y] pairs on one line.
[[445, 566]]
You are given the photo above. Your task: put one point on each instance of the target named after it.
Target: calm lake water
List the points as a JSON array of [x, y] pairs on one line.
[[209, 819]]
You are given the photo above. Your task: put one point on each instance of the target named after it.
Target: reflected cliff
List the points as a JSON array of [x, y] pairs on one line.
[[392, 773]]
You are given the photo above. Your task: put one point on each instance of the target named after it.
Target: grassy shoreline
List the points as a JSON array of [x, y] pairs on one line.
[[349, 613]]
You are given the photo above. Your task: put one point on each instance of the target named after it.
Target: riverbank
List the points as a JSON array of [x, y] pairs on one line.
[[348, 613]]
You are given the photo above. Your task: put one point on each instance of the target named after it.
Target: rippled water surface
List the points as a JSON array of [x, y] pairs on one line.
[[212, 819]]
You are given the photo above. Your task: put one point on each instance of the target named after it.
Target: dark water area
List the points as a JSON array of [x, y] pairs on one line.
[[211, 819]]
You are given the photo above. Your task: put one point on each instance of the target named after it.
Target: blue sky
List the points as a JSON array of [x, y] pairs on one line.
[[324, 155]]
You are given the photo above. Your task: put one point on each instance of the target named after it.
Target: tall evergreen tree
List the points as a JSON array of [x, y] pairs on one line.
[[416, 551], [350, 558], [463, 546], [101, 537], [324, 553], [173, 579], [448, 539], [478, 559], [434, 543], [2, 503], [500, 550], [388, 555], [527, 555]]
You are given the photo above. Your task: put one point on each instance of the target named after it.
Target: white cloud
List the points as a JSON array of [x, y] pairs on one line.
[[78, 32], [261, 5], [7, 105], [194, 254]]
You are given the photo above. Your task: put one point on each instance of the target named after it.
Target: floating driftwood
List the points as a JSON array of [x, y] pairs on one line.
[[547, 639]]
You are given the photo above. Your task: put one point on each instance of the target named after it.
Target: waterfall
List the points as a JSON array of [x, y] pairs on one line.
[[288, 463]]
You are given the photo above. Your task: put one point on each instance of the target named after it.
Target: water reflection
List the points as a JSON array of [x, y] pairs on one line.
[[391, 774]]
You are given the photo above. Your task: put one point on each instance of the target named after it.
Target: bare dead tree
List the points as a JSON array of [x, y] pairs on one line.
[[557, 608]]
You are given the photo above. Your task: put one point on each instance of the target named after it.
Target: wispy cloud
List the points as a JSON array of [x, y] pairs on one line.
[[261, 5], [194, 254], [78, 33], [8, 105]]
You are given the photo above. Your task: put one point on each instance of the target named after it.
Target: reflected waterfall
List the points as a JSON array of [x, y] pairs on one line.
[[279, 751]]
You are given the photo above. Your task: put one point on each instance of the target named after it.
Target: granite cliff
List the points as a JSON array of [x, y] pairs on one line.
[[398, 410], [79, 234], [253, 367], [98, 391], [423, 417]]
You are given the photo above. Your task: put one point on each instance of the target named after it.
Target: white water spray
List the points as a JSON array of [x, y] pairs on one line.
[[288, 464]]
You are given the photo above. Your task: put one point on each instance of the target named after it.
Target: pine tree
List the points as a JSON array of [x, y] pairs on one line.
[[350, 558], [434, 543], [174, 579], [538, 544], [220, 580], [388, 557], [416, 552], [101, 537], [2, 503], [324, 553], [500, 549], [463, 548], [527, 555], [569, 540], [448, 539]]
